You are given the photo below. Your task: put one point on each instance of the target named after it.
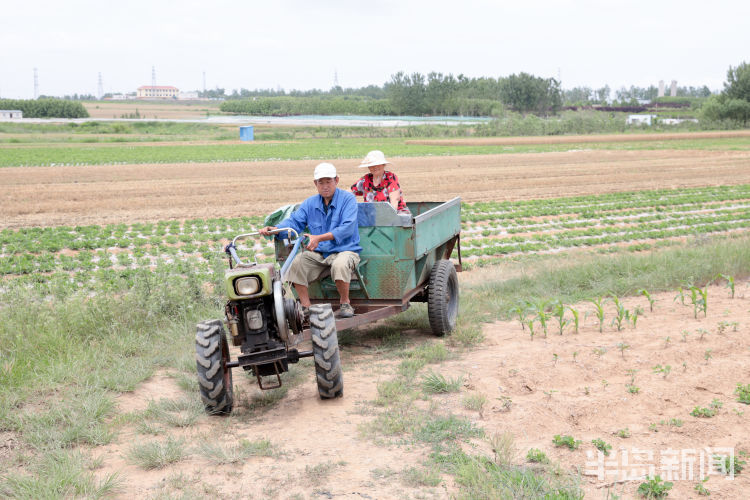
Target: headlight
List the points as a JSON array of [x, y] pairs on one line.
[[247, 286]]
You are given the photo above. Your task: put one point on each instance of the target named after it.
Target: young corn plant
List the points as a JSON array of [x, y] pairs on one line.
[[651, 301], [634, 316], [622, 346], [574, 312], [699, 299], [558, 311], [540, 307], [729, 283], [521, 311], [664, 370], [599, 310], [622, 313]]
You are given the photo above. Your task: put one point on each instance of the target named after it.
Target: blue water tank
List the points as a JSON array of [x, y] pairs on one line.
[[246, 133]]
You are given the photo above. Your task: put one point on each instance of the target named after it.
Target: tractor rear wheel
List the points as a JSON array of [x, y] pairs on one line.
[[325, 344], [442, 297], [211, 357]]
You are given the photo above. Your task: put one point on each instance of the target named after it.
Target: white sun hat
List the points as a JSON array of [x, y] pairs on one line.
[[324, 170], [374, 158]]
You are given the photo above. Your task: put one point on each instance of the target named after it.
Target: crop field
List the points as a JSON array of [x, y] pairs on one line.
[[638, 220], [605, 309]]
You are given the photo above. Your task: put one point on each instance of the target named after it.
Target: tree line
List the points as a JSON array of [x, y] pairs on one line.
[[733, 104], [409, 94], [46, 108]]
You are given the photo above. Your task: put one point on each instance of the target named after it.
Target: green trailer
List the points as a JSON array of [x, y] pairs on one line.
[[399, 254], [404, 259]]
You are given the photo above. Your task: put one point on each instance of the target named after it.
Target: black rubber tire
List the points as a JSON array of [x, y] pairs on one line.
[[211, 357], [325, 342], [442, 298]]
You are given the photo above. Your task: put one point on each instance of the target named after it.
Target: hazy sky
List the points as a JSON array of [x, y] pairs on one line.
[[300, 44]]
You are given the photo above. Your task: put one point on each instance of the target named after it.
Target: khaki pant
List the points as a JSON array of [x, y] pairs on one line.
[[309, 266]]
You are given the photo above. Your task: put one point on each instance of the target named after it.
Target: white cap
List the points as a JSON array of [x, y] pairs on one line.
[[324, 170], [374, 158]]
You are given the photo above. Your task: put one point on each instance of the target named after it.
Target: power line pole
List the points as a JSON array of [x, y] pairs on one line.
[[204, 81], [100, 88], [36, 84], [153, 76]]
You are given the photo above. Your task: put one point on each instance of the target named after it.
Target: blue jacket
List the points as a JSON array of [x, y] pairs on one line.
[[341, 220]]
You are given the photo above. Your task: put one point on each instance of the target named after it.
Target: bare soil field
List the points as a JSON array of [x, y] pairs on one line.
[[42, 196], [573, 384], [575, 139], [152, 109]]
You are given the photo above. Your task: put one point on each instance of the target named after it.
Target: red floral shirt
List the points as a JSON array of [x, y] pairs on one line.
[[366, 188]]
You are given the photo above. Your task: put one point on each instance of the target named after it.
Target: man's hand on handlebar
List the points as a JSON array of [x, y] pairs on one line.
[[266, 231]]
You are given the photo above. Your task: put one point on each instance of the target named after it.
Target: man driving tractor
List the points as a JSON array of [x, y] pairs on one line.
[[331, 217]]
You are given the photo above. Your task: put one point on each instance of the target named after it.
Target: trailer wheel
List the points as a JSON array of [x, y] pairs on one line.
[[325, 344], [211, 357], [442, 297]]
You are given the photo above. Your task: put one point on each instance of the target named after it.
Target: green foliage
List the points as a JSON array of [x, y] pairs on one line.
[[46, 108], [655, 488], [526, 93], [602, 446], [436, 383], [566, 441], [743, 393], [728, 464], [537, 456]]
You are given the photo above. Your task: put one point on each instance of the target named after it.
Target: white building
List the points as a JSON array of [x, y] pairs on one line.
[[157, 92], [640, 119], [187, 96], [10, 114]]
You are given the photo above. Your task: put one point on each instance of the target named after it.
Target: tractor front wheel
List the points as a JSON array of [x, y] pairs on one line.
[[211, 357], [442, 297], [325, 344]]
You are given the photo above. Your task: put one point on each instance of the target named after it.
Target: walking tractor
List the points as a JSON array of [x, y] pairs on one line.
[[404, 259]]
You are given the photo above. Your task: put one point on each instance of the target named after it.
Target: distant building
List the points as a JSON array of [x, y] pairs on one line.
[[640, 119], [10, 114], [187, 96], [157, 92]]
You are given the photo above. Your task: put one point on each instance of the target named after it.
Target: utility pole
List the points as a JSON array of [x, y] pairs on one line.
[[100, 88], [153, 76], [204, 81], [36, 84]]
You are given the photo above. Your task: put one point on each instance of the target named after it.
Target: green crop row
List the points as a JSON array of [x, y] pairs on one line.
[[307, 149]]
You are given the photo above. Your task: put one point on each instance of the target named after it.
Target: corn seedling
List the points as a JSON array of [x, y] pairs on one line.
[[633, 389], [566, 441], [622, 346], [558, 311], [599, 311], [680, 295], [574, 312], [651, 301], [634, 315], [622, 313], [703, 332], [707, 355], [530, 324], [664, 370], [601, 445], [729, 283], [554, 359], [521, 310], [600, 351], [743, 393], [685, 334], [604, 384], [540, 307], [699, 299], [575, 354]]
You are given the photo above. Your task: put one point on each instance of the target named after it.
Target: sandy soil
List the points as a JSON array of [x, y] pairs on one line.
[[529, 394], [576, 139], [127, 193], [152, 109]]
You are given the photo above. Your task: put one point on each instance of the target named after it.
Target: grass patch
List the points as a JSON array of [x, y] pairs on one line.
[[59, 474], [220, 455], [155, 455], [436, 383]]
